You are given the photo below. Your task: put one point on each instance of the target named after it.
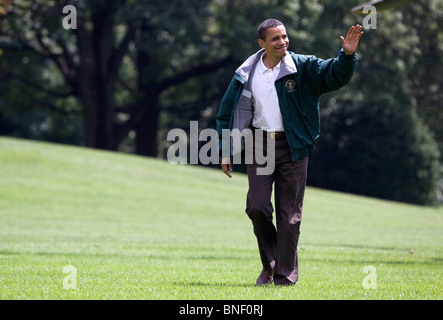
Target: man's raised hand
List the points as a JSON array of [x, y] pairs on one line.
[[350, 43]]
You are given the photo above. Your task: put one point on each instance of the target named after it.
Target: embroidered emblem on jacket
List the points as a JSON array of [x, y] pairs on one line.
[[290, 85]]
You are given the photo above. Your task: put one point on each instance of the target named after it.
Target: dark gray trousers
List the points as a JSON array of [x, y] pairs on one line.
[[278, 244]]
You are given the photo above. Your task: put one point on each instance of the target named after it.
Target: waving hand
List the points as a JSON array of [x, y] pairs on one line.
[[350, 43]]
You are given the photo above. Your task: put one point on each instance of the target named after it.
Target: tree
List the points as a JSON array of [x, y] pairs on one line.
[[129, 49], [381, 150]]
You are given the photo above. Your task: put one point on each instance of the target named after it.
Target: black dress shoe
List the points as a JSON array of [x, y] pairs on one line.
[[265, 277]]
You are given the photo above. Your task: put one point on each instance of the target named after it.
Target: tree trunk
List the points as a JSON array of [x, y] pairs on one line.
[[95, 80], [146, 130], [98, 118], [146, 124]]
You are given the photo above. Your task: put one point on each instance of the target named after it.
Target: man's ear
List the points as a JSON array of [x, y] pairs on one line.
[[261, 43]]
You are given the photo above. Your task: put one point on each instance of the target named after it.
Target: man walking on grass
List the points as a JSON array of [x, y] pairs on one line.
[[275, 93]]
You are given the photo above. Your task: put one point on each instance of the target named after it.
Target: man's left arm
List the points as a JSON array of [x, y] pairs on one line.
[[332, 74]]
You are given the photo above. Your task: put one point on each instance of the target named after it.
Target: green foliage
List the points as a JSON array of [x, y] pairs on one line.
[[374, 139], [380, 150]]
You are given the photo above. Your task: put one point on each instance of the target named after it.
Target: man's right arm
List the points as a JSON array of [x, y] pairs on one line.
[[223, 121], [226, 106]]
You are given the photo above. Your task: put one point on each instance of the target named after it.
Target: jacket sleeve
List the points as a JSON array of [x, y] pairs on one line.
[[225, 111], [227, 106], [332, 74]]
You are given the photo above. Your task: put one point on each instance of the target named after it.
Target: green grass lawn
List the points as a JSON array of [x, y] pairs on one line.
[[138, 228]]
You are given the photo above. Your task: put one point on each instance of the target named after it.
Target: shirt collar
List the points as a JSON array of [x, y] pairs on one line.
[[262, 68]]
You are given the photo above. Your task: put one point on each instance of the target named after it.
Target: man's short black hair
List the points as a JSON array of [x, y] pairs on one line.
[[265, 25]]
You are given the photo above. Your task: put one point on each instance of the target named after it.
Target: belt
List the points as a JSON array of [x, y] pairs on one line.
[[274, 135]]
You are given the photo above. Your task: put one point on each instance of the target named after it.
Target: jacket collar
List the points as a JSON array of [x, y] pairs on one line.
[[287, 66]]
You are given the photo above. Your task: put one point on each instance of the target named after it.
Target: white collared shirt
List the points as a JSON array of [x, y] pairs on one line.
[[267, 115]]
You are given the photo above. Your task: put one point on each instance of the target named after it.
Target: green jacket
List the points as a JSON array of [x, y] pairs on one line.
[[301, 81]]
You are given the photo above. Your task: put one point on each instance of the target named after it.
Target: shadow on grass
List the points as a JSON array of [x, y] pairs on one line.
[[405, 257], [218, 284], [147, 255], [358, 246]]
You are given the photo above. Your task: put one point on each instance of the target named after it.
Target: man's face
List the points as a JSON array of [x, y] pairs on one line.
[[276, 42]]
